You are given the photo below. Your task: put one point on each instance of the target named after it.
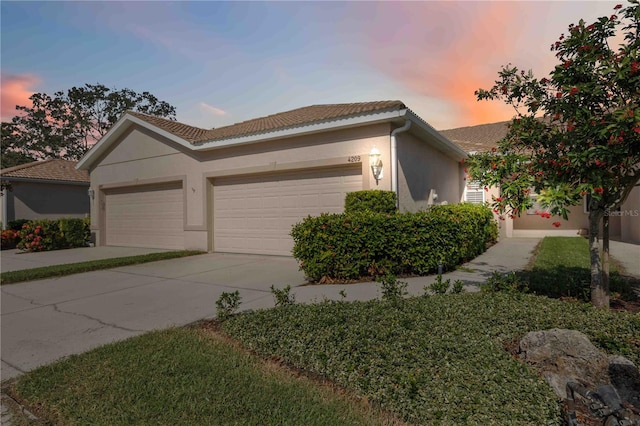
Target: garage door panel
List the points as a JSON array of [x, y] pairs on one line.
[[255, 214], [149, 216]]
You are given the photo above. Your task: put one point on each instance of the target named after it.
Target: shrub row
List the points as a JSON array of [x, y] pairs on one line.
[[355, 245], [46, 234]]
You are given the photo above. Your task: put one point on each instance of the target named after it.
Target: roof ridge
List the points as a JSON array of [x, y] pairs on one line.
[[27, 165], [475, 125]]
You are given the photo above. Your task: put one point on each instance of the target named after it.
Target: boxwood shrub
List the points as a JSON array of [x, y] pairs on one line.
[[351, 246], [372, 200]]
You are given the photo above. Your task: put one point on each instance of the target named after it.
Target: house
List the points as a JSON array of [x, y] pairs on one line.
[[240, 188], [624, 224], [48, 189]]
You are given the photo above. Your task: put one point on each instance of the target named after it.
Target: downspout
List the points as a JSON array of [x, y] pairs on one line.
[[394, 159]]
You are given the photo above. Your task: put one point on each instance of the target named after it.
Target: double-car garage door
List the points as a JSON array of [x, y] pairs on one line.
[[251, 214]]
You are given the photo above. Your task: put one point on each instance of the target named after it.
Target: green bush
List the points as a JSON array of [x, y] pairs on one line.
[[74, 232], [46, 234], [16, 225], [367, 244], [372, 200]]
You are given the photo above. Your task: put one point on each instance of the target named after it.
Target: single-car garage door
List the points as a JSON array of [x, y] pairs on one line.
[[255, 214], [145, 216]]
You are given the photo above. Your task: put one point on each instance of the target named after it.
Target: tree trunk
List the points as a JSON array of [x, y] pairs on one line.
[[599, 296], [605, 256]]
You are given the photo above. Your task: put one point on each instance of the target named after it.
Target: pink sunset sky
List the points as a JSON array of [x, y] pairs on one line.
[[221, 63]]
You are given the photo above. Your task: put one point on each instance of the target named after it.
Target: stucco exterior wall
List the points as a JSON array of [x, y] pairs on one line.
[[36, 200], [140, 157], [424, 171], [629, 217]]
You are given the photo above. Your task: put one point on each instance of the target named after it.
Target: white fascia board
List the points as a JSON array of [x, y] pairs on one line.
[[118, 129], [302, 130], [443, 143]]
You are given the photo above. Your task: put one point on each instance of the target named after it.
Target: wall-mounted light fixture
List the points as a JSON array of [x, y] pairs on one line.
[[91, 193], [375, 162]]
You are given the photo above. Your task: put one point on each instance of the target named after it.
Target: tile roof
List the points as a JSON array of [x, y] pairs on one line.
[[477, 138], [297, 117], [51, 169]]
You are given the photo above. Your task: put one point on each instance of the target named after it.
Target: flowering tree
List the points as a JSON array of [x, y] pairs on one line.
[[575, 133]]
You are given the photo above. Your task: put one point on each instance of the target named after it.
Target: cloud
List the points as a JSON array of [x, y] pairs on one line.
[[211, 109], [15, 90], [445, 51]]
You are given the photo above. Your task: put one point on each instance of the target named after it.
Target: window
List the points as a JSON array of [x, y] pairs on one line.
[[536, 207], [474, 193]]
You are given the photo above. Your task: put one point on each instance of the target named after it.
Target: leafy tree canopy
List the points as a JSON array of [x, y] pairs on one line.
[[576, 132], [66, 124]]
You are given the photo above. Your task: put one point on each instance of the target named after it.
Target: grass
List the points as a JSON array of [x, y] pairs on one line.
[[434, 360], [12, 277], [561, 267], [183, 376], [425, 360]]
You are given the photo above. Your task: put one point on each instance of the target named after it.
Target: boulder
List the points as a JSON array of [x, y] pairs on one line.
[[625, 378], [563, 356]]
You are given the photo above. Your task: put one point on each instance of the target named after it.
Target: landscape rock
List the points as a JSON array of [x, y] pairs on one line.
[[625, 377], [563, 356]]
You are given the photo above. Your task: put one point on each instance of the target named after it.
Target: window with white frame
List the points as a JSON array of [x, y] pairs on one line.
[[474, 193], [536, 207]]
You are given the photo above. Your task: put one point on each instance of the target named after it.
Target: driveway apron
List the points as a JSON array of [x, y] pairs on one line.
[[45, 320]]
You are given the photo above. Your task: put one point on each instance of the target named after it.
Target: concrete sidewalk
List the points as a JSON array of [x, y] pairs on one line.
[[14, 260], [628, 255], [510, 254]]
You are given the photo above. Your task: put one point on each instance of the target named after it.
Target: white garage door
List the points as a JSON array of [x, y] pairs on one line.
[[146, 216], [255, 214]]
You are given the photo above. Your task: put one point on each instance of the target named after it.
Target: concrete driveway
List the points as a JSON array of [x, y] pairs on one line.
[[45, 320]]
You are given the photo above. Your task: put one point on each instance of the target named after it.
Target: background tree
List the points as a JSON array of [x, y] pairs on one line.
[[587, 141], [66, 124]]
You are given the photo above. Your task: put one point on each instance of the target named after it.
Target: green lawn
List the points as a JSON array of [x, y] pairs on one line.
[[12, 277], [561, 267], [183, 377], [428, 360]]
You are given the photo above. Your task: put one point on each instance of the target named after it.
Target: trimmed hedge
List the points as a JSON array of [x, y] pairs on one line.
[[372, 200], [45, 234], [366, 244]]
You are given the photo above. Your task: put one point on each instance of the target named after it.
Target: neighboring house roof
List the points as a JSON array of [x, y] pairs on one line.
[[53, 169], [478, 138], [270, 123], [297, 122]]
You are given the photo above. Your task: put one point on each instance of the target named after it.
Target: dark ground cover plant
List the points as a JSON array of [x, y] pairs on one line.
[[434, 360], [367, 244]]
